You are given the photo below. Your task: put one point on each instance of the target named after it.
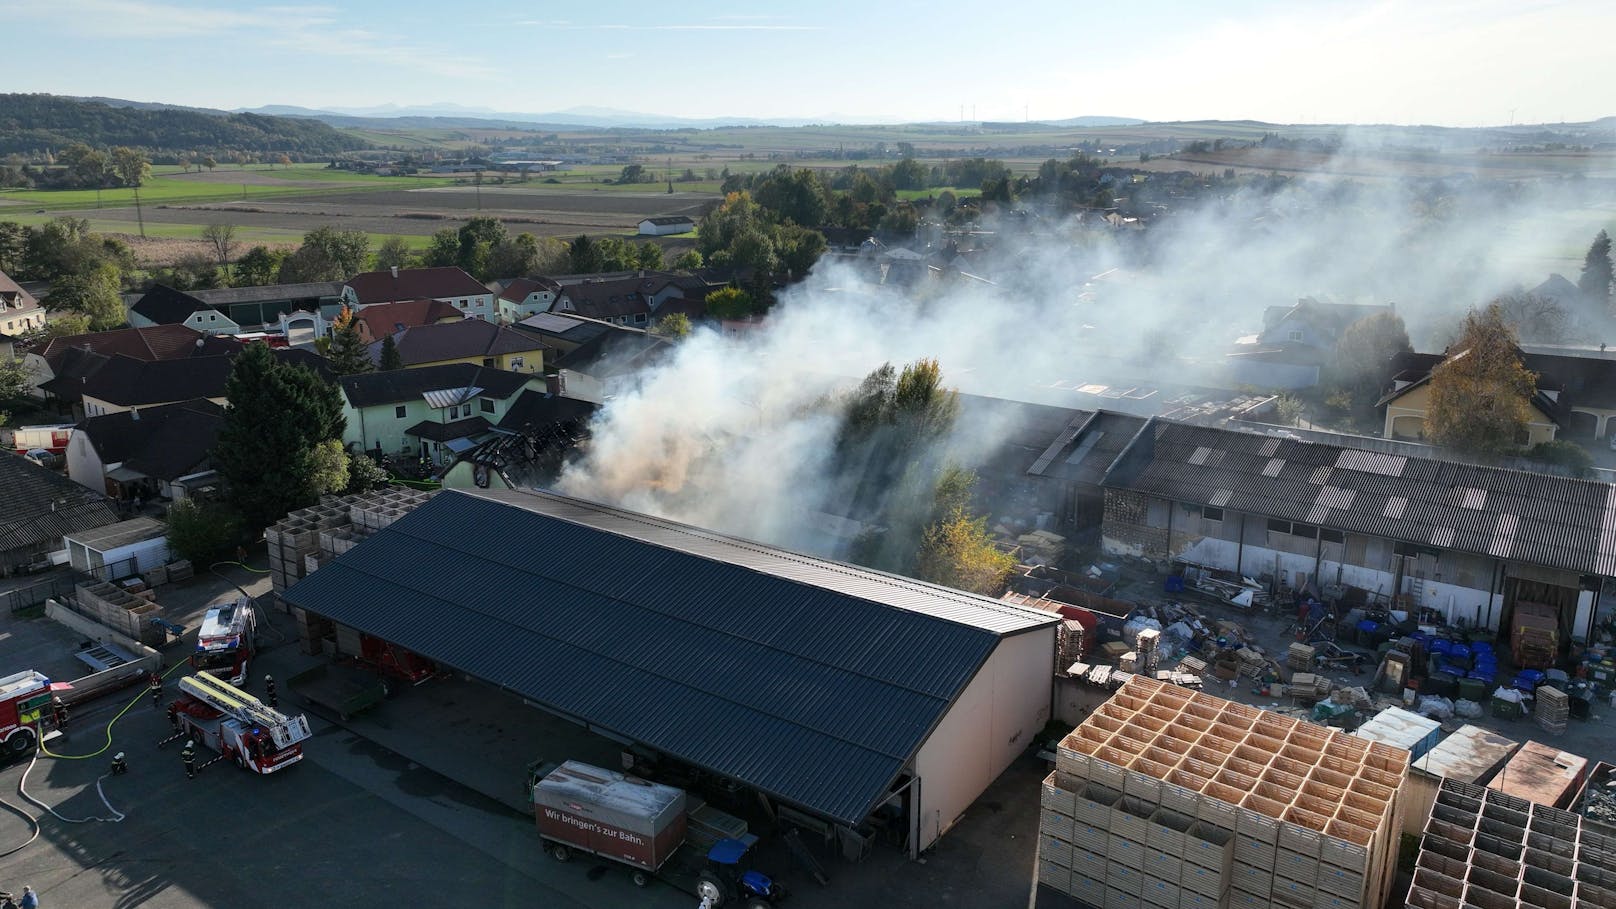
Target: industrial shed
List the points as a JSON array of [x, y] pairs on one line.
[[827, 688]]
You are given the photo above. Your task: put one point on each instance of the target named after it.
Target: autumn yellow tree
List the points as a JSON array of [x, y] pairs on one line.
[[1480, 395], [956, 550]]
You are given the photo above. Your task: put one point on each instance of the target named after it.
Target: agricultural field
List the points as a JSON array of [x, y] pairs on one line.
[[168, 186]]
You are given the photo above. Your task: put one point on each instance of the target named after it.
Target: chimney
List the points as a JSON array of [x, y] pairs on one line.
[[395, 271]]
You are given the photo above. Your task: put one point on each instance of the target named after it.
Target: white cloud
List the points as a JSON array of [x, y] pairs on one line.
[[681, 27], [307, 30]]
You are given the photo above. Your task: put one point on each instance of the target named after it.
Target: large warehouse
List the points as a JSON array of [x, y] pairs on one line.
[[827, 688]]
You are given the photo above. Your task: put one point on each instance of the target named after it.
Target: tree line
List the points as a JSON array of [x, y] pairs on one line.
[[32, 124]]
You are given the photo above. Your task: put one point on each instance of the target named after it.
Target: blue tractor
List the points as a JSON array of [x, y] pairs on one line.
[[730, 881]]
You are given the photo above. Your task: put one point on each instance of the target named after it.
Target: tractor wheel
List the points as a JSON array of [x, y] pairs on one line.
[[641, 879], [713, 890], [21, 742], [561, 853]]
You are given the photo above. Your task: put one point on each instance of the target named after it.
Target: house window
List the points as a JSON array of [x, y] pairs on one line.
[[399, 411], [462, 304], [1212, 514], [1295, 334], [639, 318], [517, 362], [488, 363], [488, 405]]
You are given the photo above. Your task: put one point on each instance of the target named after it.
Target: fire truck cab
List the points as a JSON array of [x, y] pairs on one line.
[[239, 726], [225, 643], [24, 709]]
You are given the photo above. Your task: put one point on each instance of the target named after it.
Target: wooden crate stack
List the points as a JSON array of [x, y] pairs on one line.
[[1553, 709], [1166, 798], [1299, 657], [1492, 850], [127, 613]]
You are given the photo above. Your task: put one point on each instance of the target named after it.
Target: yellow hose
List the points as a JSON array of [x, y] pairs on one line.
[[103, 749]]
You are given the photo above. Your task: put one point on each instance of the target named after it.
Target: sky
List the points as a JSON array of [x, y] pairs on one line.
[[1445, 62]]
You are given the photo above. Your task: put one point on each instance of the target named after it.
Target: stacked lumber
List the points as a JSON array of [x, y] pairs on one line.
[[1299, 656]]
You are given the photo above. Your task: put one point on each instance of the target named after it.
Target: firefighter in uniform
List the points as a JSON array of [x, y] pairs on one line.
[[189, 757], [118, 766], [174, 716], [269, 692], [156, 686], [58, 712]]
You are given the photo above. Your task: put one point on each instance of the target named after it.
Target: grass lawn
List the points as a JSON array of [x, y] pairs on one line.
[[171, 187]]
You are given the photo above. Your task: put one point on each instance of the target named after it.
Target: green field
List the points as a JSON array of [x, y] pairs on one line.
[[167, 186], [245, 235], [960, 192]]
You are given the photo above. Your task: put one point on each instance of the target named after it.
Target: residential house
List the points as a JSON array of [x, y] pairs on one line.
[[636, 300], [666, 226], [67, 354], [163, 305], [19, 311], [1295, 345], [160, 451], [448, 284], [524, 297], [566, 333], [467, 341], [1575, 396], [431, 412], [124, 383], [1367, 523], [376, 322], [39, 506]]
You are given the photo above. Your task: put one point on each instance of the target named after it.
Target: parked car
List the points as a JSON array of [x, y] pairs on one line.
[[44, 457]]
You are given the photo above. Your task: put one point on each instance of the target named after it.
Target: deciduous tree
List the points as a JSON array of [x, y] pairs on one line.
[[393, 253], [956, 549], [1479, 398], [93, 294], [221, 238], [202, 531], [1358, 365], [258, 266], [672, 326]]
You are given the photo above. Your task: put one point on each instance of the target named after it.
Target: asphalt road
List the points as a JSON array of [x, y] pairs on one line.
[[352, 825]]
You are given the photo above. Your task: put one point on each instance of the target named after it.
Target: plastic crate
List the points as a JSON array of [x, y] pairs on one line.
[[1250, 878], [1054, 798], [1056, 825], [1093, 805], [1055, 850], [1298, 837], [1056, 876]]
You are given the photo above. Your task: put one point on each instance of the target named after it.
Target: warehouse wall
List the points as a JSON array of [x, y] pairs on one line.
[[994, 720]]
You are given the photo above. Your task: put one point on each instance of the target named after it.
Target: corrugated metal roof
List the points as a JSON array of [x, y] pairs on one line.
[[810, 680], [1552, 521], [448, 397]]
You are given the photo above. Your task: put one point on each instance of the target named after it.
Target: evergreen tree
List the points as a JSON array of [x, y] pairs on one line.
[[391, 358], [275, 417], [1595, 282], [348, 355]]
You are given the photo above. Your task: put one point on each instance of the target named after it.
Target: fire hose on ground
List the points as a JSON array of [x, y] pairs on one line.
[[33, 820]]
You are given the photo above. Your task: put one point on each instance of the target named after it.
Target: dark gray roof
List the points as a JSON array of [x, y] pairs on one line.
[[1508, 514], [807, 679], [166, 306], [165, 442], [666, 220], [37, 505], [398, 385], [270, 293]]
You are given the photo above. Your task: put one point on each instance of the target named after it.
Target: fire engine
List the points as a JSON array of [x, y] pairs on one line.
[[24, 708], [225, 643], [237, 725]]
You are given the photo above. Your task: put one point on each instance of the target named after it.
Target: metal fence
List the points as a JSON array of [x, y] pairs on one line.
[[60, 584]]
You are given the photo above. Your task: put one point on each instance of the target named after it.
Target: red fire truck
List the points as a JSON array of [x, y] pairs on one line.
[[237, 725], [25, 699], [225, 643]]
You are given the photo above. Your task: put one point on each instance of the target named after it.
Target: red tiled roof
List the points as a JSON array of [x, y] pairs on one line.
[[159, 342], [376, 322], [517, 291], [414, 284], [456, 340]]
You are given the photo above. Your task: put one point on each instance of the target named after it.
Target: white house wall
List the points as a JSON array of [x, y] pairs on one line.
[[84, 465], [993, 721]]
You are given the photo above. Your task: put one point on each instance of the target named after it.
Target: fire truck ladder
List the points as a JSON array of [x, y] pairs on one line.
[[227, 699]]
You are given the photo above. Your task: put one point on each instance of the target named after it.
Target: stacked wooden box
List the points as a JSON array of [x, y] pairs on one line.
[[1495, 851], [1299, 657], [127, 613], [1169, 798], [1553, 709]]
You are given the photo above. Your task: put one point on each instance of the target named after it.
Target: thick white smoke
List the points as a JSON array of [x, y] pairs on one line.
[[733, 433]]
